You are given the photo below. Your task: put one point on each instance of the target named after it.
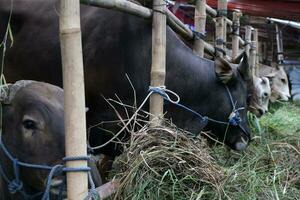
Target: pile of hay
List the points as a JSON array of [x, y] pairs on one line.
[[167, 163]]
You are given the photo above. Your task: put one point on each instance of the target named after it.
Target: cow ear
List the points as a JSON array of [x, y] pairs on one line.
[[223, 70], [244, 68], [5, 93]]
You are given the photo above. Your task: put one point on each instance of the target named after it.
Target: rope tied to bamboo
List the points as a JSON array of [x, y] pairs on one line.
[[199, 35], [222, 13], [217, 49]]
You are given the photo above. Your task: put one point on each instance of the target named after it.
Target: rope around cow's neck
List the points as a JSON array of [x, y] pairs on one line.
[[234, 116], [16, 185]]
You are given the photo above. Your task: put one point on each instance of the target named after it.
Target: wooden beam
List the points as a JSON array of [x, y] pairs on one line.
[[74, 98], [158, 67]]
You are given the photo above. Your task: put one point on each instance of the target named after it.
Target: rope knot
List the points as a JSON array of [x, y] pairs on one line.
[[14, 186], [163, 91], [234, 118]]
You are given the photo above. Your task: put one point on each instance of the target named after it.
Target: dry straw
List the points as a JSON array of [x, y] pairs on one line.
[[166, 163]]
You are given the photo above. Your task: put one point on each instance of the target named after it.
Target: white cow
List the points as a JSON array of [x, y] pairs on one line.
[[278, 81], [259, 104], [263, 93]]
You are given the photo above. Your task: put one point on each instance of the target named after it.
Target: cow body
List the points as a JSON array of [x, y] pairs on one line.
[[33, 132], [116, 44]]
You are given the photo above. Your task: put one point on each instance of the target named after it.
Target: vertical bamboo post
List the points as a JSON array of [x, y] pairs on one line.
[[265, 51], [236, 34], [222, 7], [255, 38], [252, 61], [279, 45], [74, 98], [158, 68], [220, 24], [247, 39], [200, 22]]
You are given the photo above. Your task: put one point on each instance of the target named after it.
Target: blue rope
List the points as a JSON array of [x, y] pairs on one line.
[[234, 118], [16, 185]]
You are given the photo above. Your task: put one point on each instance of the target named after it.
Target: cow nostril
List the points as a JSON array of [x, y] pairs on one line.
[[261, 112]]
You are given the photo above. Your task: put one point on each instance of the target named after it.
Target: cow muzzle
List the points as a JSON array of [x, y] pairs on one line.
[[242, 144]]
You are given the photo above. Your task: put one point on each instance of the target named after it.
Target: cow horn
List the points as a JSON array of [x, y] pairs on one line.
[[4, 93], [8, 91]]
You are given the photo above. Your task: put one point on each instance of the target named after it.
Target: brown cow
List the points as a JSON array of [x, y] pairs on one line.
[[33, 132]]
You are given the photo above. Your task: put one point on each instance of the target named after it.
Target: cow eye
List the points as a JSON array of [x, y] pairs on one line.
[[29, 124], [283, 80], [265, 94]]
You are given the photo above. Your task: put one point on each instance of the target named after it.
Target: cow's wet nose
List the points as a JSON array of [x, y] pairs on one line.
[[241, 145], [261, 112]]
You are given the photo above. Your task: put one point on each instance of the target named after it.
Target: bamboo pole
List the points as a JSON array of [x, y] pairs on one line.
[[248, 39], [172, 20], [108, 189], [158, 68], [220, 24], [252, 58], [222, 9], [236, 34], [279, 45], [255, 38], [212, 12], [121, 5], [74, 98], [200, 22], [219, 35]]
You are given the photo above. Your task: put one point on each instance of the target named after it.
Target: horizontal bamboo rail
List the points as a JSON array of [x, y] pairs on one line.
[[140, 11], [212, 12], [121, 5]]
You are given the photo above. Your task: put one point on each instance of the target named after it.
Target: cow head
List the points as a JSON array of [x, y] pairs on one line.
[[33, 129], [258, 99], [240, 84], [258, 105], [279, 85]]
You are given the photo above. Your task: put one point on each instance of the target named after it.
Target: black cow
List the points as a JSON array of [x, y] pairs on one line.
[[115, 44], [32, 132]]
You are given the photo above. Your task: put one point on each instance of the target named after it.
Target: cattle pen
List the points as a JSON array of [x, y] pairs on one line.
[[257, 156]]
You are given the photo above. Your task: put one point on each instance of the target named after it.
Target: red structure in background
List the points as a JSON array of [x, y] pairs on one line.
[[289, 9]]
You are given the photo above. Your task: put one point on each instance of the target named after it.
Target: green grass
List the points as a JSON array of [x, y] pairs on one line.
[[270, 167]]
